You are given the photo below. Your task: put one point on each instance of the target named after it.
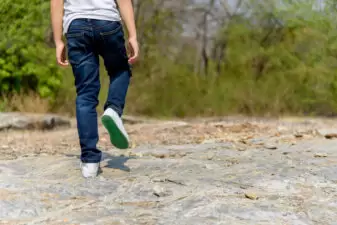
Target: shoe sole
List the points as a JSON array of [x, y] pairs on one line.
[[117, 138]]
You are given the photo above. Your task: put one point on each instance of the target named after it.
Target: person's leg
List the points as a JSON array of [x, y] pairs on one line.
[[118, 88], [85, 64], [112, 48], [114, 107]]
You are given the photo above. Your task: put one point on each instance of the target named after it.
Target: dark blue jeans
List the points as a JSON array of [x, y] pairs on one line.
[[87, 39]]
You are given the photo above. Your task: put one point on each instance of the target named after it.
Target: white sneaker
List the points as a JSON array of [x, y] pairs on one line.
[[113, 123], [89, 170]]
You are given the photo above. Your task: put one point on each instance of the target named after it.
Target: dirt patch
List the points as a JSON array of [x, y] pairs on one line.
[[65, 140]]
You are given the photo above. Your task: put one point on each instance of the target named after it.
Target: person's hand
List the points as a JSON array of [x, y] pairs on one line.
[[133, 50], [61, 54]]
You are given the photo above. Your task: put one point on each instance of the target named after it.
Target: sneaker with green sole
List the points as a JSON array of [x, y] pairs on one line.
[[113, 123]]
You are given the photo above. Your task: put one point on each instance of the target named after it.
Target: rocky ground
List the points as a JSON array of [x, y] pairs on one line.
[[231, 170]]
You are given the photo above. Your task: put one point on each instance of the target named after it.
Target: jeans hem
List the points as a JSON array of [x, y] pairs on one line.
[[90, 161], [94, 159], [118, 111]]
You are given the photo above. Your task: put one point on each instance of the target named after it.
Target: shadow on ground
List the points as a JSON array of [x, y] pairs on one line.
[[112, 162], [116, 162]]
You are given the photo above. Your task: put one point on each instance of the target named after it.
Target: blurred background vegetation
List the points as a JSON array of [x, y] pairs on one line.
[[198, 58]]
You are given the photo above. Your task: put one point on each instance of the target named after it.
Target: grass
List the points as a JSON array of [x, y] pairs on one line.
[[25, 102], [187, 95], [291, 83]]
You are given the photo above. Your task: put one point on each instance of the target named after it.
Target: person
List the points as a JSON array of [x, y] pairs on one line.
[[93, 29]]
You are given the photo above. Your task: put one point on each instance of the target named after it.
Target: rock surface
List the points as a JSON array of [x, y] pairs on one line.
[[192, 172], [19, 121]]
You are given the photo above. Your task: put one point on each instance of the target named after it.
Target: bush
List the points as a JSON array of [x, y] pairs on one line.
[[271, 61], [26, 61]]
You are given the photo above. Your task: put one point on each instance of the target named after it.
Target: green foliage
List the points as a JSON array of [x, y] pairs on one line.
[[273, 57], [274, 63], [289, 68], [26, 62]]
